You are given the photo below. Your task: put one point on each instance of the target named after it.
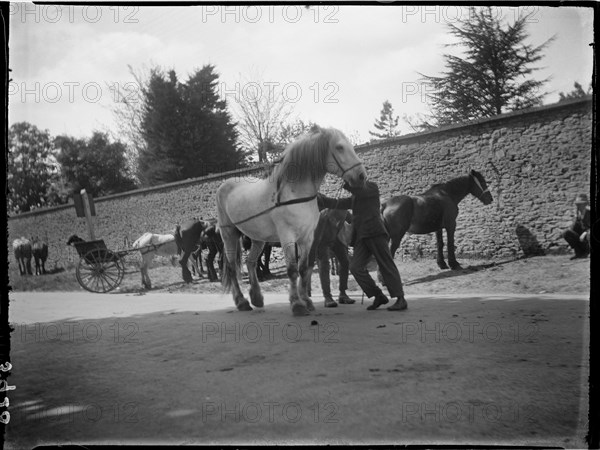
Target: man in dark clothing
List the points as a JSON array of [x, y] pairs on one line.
[[370, 238], [578, 235]]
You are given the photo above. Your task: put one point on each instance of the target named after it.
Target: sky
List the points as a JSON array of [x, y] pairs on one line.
[[334, 65]]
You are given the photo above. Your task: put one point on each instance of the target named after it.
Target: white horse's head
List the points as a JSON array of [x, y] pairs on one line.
[[342, 159], [322, 150]]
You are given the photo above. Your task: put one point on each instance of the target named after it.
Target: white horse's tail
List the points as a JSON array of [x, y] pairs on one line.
[[142, 238]]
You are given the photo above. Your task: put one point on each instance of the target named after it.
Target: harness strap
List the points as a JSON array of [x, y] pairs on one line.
[[292, 201], [479, 186], [359, 163], [151, 247], [276, 205]]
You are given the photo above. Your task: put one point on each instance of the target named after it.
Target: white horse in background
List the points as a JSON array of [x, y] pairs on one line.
[[152, 245], [23, 252]]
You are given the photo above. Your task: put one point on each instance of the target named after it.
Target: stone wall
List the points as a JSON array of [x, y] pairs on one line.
[[534, 161]]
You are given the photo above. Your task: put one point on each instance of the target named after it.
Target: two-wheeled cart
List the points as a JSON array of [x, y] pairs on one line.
[[100, 269]]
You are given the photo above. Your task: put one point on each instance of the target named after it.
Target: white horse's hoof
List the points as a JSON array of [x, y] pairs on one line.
[[298, 309]]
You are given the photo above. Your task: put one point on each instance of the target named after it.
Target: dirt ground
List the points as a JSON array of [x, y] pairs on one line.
[[496, 353], [534, 275]]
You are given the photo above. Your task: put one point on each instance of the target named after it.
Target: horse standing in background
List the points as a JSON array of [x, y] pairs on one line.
[[211, 240], [262, 265], [40, 255], [23, 252], [432, 211], [151, 245], [188, 236], [332, 237], [282, 208]]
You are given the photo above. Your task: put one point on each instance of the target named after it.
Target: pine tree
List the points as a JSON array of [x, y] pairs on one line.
[[578, 92], [387, 124], [187, 128], [493, 77]]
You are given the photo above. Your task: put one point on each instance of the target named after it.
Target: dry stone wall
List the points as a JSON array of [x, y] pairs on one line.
[[535, 162]]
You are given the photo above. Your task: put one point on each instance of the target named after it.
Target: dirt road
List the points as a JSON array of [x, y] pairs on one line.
[[187, 368]]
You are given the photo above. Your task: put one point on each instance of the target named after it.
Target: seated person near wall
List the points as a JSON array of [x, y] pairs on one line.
[[370, 238], [578, 235]]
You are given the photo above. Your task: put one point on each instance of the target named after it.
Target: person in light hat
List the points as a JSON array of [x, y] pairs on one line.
[[578, 235]]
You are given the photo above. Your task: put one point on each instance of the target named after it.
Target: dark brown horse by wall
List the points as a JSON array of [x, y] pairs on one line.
[[188, 237], [432, 211], [211, 240], [39, 249]]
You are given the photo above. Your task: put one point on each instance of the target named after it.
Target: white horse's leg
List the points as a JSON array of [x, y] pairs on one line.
[[231, 267], [146, 258], [299, 307], [256, 296], [305, 270]]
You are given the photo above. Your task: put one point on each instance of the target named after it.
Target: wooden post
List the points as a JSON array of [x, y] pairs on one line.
[[88, 214]]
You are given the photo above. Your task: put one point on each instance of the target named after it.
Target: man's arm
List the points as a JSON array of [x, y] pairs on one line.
[[369, 190], [333, 203]]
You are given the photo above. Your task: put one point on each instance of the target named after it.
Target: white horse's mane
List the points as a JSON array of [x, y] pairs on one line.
[[306, 156]]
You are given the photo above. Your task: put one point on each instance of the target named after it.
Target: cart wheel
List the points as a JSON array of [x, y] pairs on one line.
[[100, 270]]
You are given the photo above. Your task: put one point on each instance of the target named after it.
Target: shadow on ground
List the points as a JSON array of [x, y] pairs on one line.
[[457, 273]]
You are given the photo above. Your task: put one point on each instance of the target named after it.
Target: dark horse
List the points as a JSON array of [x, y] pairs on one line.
[[332, 235], [262, 265], [211, 240], [40, 255], [188, 236], [433, 210]]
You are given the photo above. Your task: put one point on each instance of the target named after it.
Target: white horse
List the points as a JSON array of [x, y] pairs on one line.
[[283, 208], [23, 253], [152, 245]]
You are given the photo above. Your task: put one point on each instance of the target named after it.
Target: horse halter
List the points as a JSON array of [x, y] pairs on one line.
[[483, 191], [359, 163]]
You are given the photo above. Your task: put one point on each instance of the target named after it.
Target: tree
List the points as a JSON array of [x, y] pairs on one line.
[[128, 111], [96, 164], [578, 92], [261, 111], [33, 178], [287, 133], [291, 131], [418, 122], [493, 77], [185, 127], [387, 124]]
